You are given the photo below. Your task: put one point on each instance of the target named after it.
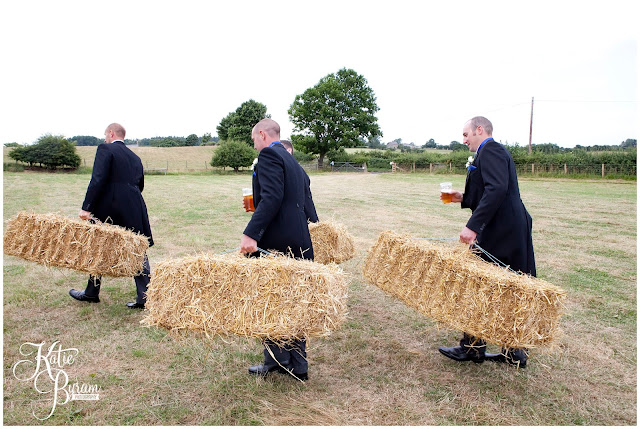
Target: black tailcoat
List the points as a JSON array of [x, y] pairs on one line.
[[498, 215], [114, 194], [281, 198]]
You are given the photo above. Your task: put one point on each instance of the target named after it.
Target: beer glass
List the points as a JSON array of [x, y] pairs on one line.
[[247, 200], [446, 189]]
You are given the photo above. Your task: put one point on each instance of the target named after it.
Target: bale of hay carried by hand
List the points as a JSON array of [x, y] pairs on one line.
[[459, 289], [271, 297], [55, 240], [331, 242]]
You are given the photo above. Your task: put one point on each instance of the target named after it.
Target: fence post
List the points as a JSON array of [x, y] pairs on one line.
[[449, 167], [565, 168], [430, 168], [532, 168], [603, 171], [414, 167]]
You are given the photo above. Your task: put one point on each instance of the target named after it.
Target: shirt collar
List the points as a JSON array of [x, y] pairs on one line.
[[116, 141], [483, 142], [274, 143]]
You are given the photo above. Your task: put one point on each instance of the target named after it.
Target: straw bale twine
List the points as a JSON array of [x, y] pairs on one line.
[[466, 293], [271, 297], [54, 240], [331, 242]]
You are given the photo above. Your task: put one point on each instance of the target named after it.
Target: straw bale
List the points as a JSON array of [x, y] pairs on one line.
[[331, 242], [459, 289], [54, 240], [271, 297]]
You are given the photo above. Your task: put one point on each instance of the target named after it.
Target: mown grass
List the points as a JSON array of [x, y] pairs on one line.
[[382, 367]]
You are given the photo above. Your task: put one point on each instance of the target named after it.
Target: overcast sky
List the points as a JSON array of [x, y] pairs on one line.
[[175, 68]]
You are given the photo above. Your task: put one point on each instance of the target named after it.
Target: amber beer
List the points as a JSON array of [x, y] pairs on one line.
[[247, 200], [446, 197], [248, 203], [446, 192]]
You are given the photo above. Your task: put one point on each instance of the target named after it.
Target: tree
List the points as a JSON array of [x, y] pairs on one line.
[[454, 145], [191, 140], [86, 140], [233, 154], [629, 143], [430, 144], [546, 148], [335, 112], [223, 127], [375, 143], [206, 138], [50, 151], [238, 125]]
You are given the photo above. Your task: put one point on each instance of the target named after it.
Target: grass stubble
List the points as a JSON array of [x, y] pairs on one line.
[[382, 367]]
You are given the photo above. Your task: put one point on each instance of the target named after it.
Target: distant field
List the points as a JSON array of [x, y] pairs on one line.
[[174, 158]]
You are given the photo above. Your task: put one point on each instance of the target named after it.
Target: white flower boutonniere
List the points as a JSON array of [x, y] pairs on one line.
[[470, 166], [255, 161], [469, 161]]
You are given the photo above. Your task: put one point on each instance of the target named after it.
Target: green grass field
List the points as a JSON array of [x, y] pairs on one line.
[[382, 367]]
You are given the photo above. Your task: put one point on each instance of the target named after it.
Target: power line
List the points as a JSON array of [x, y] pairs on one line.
[[589, 101]]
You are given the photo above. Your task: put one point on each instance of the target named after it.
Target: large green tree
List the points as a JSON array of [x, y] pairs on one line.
[[238, 125], [50, 151], [233, 154], [338, 111]]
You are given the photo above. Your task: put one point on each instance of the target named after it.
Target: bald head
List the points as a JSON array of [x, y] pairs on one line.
[[475, 131], [481, 121], [114, 132], [264, 133]]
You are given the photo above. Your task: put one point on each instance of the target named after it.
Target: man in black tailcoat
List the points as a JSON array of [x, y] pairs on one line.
[[114, 195], [279, 223], [499, 224]]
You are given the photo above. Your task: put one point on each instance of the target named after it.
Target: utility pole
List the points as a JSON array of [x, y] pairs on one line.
[[531, 126]]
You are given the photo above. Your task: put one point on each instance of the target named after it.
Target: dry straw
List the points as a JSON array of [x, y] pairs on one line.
[[271, 297], [459, 289], [331, 242], [54, 240]]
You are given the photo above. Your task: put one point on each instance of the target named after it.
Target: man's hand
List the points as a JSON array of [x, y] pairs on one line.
[[456, 197], [85, 215], [468, 236], [248, 244]]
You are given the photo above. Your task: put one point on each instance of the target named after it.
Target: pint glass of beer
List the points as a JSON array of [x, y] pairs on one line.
[[247, 200], [446, 188]]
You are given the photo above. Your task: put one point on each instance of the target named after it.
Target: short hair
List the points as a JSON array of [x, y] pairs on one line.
[[117, 129], [269, 126], [481, 121], [287, 144]]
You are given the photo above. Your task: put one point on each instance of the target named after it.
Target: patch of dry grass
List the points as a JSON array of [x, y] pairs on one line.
[[382, 367], [176, 159]]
